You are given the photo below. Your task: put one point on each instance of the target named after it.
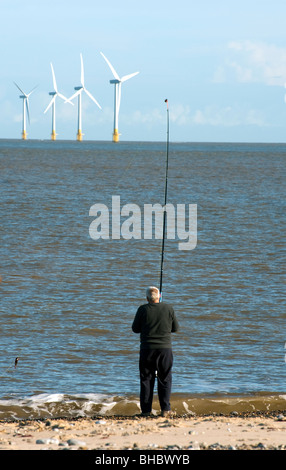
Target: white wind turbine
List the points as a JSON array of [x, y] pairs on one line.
[[117, 95], [25, 98], [79, 90], [52, 103]]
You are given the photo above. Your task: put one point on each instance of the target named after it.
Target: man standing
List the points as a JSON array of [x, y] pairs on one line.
[[155, 321]]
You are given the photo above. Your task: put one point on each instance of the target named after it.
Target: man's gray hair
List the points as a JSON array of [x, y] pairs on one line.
[[152, 293]]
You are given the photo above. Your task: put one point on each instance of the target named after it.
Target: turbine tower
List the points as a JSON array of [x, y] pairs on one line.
[[79, 90], [25, 98], [52, 103], [117, 95]]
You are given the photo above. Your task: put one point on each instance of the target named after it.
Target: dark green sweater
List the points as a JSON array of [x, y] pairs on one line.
[[155, 323]]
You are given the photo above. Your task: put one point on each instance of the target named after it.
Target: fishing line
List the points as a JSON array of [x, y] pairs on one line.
[[165, 202]]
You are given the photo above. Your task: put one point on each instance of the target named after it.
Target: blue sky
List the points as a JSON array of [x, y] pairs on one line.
[[221, 64]]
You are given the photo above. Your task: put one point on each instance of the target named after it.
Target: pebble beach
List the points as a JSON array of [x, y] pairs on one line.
[[233, 432]]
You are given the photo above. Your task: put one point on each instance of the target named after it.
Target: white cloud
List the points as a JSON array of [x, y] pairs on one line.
[[151, 117], [228, 116], [179, 114], [18, 118], [219, 75], [243, 73], [212, 115], [251, 62]]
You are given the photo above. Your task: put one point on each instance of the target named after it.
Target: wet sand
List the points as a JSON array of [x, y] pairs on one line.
[[262, 432]]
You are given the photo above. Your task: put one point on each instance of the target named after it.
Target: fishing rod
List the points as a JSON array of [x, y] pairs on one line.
[[166, 190]]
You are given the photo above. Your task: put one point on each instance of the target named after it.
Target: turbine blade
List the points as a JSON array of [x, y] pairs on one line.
[[81, 71], [50, 103], [20, 89], [75, 94], [27, 107], [64, 98], [119, 97], [127, 77], [54, 78], [92, 98], [115, 74], [32, 90]]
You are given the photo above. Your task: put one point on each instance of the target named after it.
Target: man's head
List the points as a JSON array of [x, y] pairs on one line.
[[153, 294]]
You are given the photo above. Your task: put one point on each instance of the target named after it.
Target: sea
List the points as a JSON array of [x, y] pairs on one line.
[[68, 299]]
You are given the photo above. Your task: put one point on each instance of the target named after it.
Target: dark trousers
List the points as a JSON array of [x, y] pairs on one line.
[[154, 362]]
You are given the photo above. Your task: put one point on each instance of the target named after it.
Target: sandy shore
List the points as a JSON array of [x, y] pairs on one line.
[[154, 433]]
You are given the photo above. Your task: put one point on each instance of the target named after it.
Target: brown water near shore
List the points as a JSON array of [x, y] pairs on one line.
[[68, 301]]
